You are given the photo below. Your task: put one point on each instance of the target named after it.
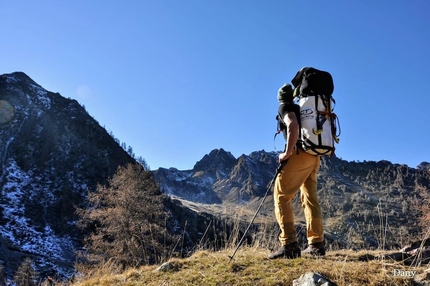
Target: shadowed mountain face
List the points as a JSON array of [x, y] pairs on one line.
[[51, 153]]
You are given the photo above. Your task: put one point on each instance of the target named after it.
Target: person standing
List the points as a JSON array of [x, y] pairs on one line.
[[299, 172]]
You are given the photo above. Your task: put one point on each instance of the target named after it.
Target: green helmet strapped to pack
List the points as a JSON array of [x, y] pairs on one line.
[[285, 93], [319, 125]]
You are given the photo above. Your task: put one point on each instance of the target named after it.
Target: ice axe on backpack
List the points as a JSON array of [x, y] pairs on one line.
[[278, 170]]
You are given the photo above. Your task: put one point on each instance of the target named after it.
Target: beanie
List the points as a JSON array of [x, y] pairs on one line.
[[285, 93]]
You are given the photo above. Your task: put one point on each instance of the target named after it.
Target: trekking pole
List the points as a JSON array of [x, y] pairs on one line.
[[278, 170]]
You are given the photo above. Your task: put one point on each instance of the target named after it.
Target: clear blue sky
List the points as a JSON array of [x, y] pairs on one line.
[[175, 79]]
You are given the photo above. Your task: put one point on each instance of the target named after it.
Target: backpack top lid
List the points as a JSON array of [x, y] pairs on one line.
[[310, 80]]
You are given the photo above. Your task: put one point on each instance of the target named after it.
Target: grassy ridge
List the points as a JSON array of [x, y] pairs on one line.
[[251, 267]]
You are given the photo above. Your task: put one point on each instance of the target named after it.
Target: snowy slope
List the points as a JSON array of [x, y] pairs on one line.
[[51, 153]]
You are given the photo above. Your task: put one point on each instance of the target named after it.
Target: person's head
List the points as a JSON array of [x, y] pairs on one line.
[[285, 94]]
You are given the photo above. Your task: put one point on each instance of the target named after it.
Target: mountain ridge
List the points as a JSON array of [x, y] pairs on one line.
[[356, 197]]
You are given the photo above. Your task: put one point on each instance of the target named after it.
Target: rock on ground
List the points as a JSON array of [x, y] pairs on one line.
[[312, 279]]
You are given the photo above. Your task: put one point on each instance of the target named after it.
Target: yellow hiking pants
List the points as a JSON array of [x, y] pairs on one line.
[[299, 172]]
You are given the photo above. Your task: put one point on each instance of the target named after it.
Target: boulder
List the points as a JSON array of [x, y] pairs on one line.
[[312, 279]]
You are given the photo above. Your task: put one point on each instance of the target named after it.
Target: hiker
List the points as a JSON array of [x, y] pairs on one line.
[[299, 172]]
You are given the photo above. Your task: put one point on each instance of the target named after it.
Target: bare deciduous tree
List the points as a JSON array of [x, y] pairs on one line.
[[425, 213], [128, 220], [2, 276], [25, 275]]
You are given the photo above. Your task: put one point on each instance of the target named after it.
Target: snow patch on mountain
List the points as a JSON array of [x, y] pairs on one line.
[[19, 230]]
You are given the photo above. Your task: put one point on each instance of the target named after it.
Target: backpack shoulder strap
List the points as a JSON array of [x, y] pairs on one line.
[[280, 124], [281, 127]]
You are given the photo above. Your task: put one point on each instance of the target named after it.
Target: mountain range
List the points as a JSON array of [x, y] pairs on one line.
[[52, 153], [365, 204]]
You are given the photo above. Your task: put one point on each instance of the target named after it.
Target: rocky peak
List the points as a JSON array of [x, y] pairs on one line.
[[218, 160], [19, 77], [27, 97], [241, 170], [424, 166], [253, 172], [263, 156]]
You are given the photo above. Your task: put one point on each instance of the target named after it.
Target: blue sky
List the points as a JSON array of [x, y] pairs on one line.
[[177, 79]]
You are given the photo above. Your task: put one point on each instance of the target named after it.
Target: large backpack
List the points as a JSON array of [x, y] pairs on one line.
[[319, 125], [311, 81]]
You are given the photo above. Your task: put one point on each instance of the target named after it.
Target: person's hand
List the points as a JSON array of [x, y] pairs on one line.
[[283, 156]]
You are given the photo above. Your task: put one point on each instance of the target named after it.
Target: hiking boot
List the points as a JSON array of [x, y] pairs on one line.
[[315, 249], [289, 251]]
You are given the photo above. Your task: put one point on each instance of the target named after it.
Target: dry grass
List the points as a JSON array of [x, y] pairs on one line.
[[251, 267]]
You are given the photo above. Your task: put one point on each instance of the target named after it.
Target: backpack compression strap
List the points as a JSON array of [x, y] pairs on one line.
[[324, 115]]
